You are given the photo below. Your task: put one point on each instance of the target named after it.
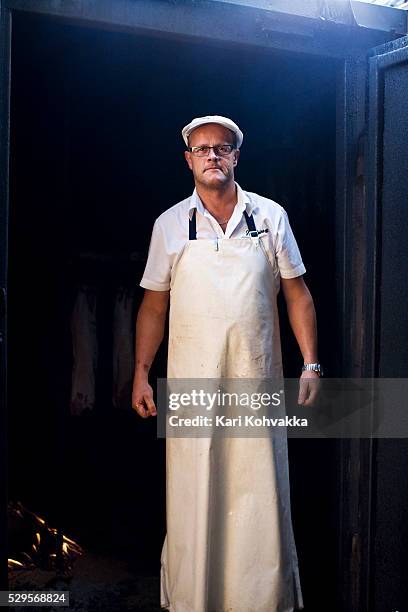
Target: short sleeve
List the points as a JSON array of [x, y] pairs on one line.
[[156, 275], [287, 252]]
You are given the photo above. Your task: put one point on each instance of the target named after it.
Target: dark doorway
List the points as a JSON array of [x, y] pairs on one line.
[[96, 155]]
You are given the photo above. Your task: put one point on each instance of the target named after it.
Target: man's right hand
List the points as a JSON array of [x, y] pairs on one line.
[[150, 323], [142, 398]]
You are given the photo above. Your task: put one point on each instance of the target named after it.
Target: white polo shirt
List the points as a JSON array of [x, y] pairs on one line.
[[171, 233]]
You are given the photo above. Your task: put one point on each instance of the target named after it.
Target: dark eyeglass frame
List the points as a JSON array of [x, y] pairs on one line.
[[215, 148]]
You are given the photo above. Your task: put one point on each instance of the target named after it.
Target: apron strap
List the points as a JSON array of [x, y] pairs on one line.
[[192, 225], [250, 222]]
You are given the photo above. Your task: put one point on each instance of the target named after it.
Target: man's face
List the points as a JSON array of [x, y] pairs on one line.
[[212, 171]]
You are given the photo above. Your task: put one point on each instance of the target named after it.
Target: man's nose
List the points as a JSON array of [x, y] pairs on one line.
[[212, 154]]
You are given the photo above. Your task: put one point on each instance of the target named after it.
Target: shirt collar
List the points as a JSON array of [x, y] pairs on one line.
[[243, 202]]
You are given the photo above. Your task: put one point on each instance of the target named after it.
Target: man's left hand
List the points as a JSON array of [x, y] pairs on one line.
[[309, 384]]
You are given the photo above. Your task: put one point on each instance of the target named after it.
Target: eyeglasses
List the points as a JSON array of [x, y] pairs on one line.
[[221, 150]]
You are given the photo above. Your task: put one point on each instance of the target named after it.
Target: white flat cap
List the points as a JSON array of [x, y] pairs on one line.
[[224, 121]]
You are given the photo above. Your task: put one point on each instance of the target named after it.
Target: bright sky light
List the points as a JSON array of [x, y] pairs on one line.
[[403, 4]]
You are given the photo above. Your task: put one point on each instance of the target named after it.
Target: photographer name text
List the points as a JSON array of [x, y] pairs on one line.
[[239, 421]]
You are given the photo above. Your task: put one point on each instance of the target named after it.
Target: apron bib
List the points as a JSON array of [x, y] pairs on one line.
[[229, 543]]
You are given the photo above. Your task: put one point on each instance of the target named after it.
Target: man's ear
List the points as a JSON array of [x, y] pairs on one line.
[[236, 156], [187, 156]]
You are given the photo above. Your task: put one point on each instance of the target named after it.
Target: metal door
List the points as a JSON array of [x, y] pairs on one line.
[[387, 206]]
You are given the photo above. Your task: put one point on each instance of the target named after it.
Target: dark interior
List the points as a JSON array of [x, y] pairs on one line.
[[96, 156]]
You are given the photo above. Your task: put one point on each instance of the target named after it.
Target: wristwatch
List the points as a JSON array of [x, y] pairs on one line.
[[313, 367]]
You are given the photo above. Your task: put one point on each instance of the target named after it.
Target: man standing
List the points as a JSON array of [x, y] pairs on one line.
[[222, 255]]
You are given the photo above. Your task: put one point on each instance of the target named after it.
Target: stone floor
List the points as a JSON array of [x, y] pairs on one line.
[[95, 584]]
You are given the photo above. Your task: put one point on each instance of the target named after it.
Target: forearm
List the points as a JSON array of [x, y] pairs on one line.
[[149, 335], [302, 318]]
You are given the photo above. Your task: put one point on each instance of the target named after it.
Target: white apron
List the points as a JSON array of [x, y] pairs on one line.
[[229, 543]]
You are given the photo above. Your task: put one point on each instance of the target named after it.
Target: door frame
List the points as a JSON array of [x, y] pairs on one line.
[[297, 32], [5, 54]]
